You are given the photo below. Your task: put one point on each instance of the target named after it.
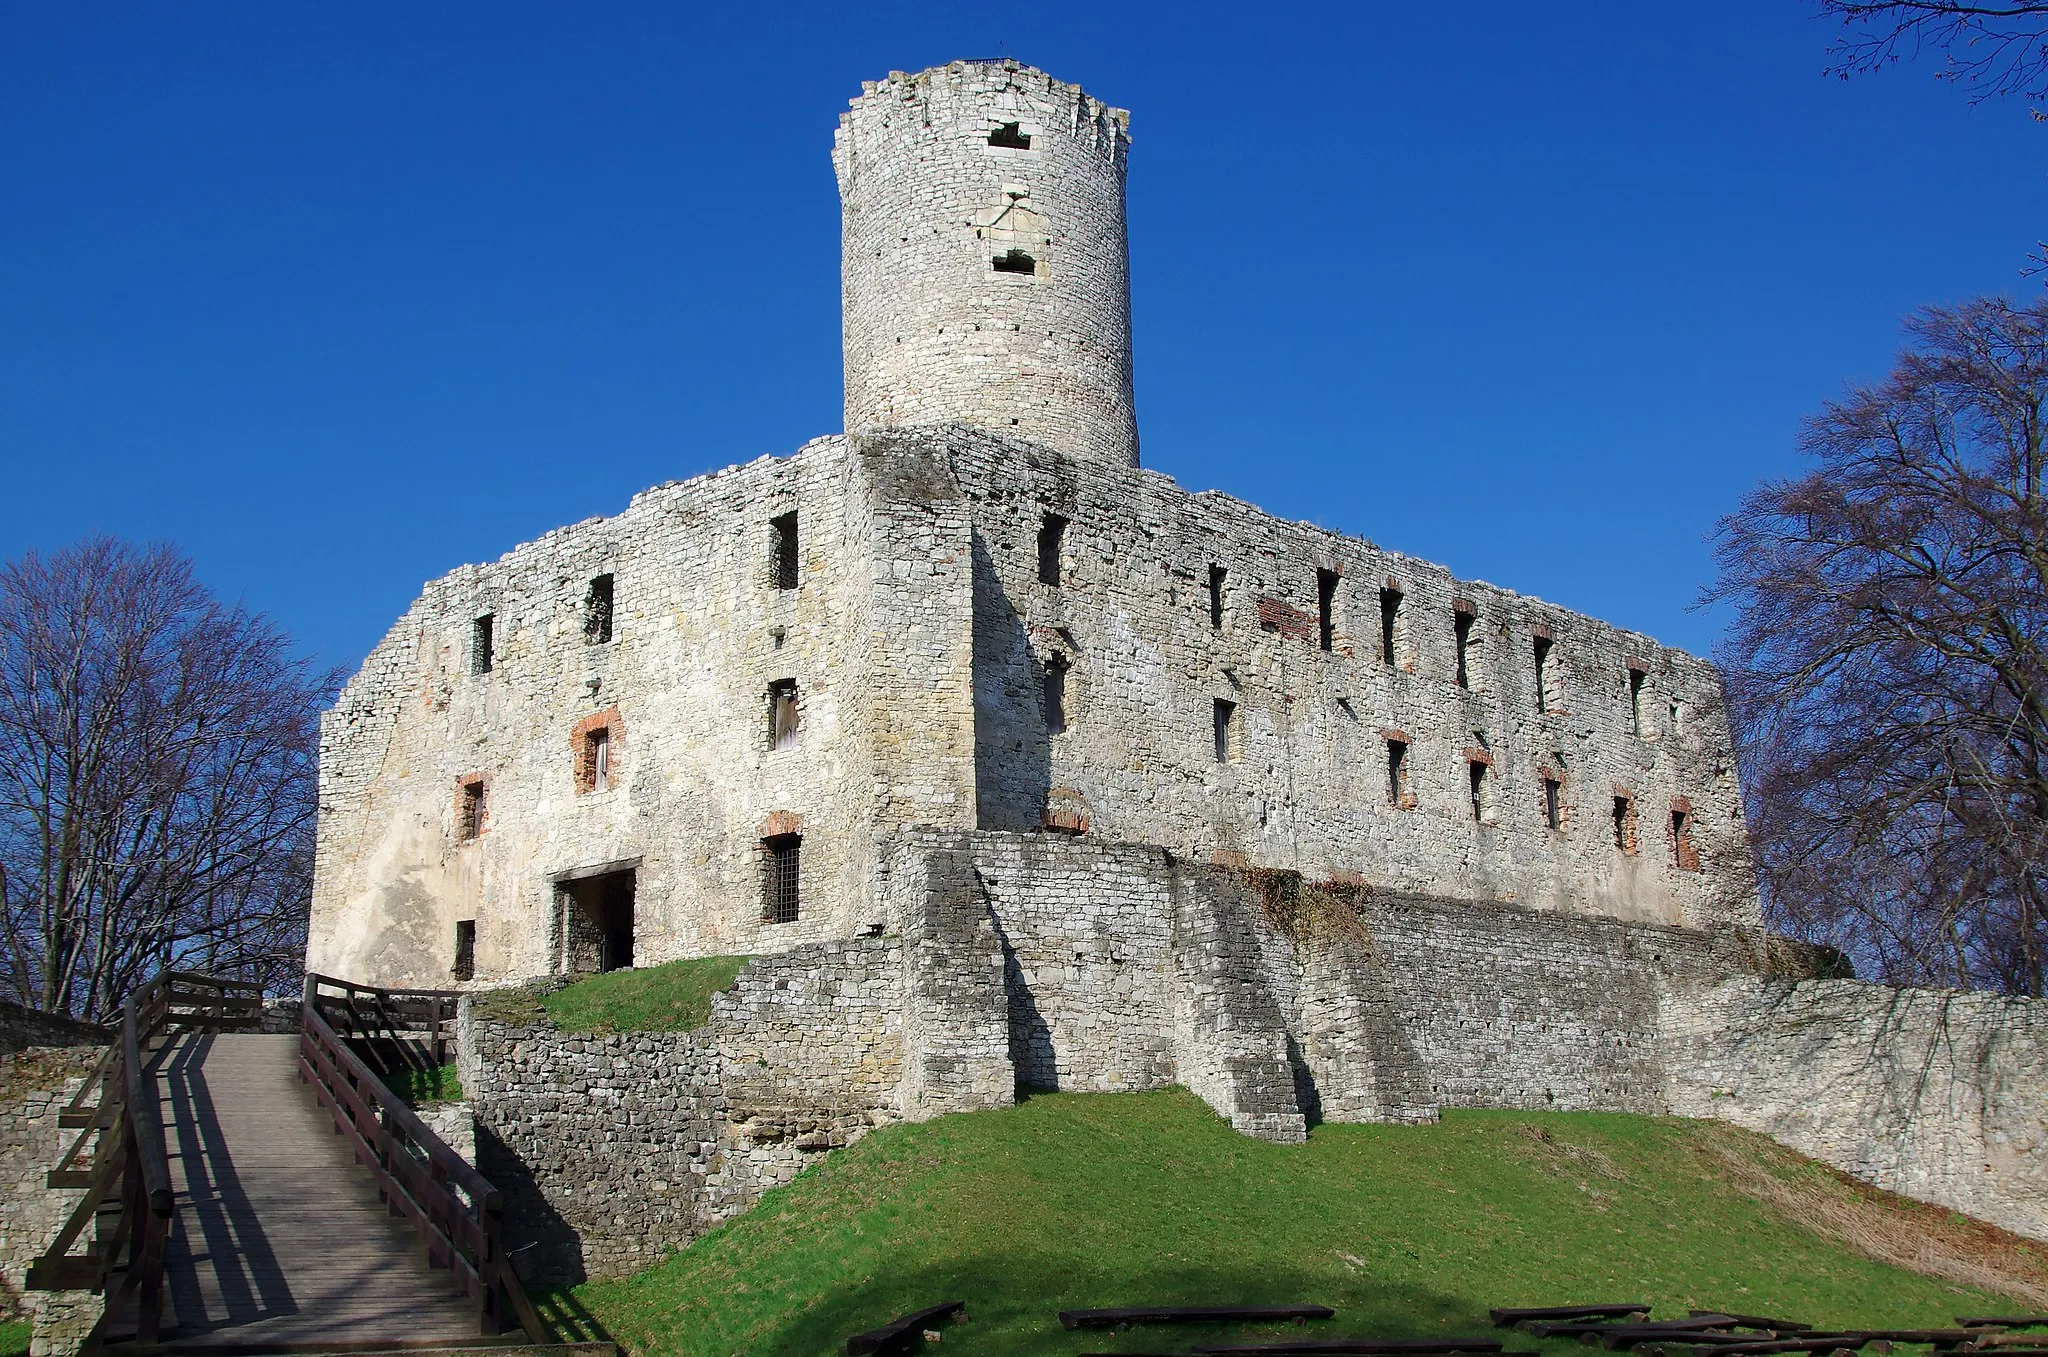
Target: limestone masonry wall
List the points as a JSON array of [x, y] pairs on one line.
[[34, 1086]]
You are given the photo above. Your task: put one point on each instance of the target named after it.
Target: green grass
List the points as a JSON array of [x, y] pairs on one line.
[[437, 1085], [14, 1336], [1089, 1200], [671, 998]]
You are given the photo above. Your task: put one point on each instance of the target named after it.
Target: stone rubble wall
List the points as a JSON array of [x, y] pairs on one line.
[[22, 1028], [34, 1087], [1938, 1095]]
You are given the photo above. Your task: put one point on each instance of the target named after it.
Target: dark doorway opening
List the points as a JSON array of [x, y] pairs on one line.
[[597, 922]]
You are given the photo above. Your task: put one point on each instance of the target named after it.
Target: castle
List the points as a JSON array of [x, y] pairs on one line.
[[1094, 782]]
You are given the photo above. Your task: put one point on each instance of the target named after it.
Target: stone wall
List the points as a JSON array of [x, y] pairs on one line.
[[1939, 1095], [34, 1086], [21, 1028]]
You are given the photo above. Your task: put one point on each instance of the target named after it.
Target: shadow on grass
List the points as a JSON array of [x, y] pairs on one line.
[[566, 1314], [1013, 1304]]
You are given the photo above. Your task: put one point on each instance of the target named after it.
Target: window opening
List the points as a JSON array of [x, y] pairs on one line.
[[783, 714], [1625, 824], [597, 611], [1016, 261], [473, 811], [597, 922], [1055, 695], [1390, 620], [782, 550], [1683, 855], [1461, 628], [1397, 772], [465, 950], [1542, 647], [600, 756], [780, 903], [1677, 716], [1481, 790], [1326, 609], [1012, 136], [1226, 731], [1636, 678], [482, 653], [1553, 802], [1052, 536], [1216, 575]]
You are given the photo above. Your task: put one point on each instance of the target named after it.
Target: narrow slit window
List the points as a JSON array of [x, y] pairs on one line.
[[1683, 855], [1397, 772], [1480, 789], [783, 714], [1227, 742], [1055, 695], [598, 754], [471, 810], [1636, 679], [1553, 802], [465, 950], [781, 879], [597, 611], [1461, 631], [782, 571], [1326, 609], [1390, 623], [1052, 538], [482, 649], [1542, 647], [1011, 135], [1216, 577], [1625, 825], [1016, 261]]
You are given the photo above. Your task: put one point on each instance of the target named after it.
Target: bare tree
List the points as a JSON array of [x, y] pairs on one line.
[[1988, 49], [1889, 663], [157, 752]]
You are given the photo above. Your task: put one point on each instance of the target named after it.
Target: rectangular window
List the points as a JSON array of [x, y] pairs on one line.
[[1625, 824], [1397, 772], [1461, 630], [471, 810], [1227, 740], [779, 902], [599, 756], [1481, 790], [1055, 695], [1553, 802], [1216, 574], [783, 714], [1683, 855], [1636, 679], [597, 611], [482, 652], [1390, 622], [1326, 609], [1052, 537], [782, 571], [465, 950], [1542, 647]]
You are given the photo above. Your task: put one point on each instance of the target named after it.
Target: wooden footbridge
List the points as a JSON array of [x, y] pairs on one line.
[[255, 1193]]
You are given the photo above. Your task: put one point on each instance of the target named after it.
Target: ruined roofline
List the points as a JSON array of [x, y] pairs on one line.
[[908, 86]]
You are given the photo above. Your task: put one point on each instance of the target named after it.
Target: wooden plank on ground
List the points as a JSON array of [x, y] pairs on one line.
[[1112, 1317], [903, 1331]]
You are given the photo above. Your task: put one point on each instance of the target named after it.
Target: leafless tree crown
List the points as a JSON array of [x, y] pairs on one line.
[[1987, 49], [1889, 662], [157, 753]]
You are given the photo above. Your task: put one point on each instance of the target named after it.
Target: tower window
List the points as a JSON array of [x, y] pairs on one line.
[[1636, 679], [1544, 673], [1228, 740], [1684, 856], [1012, 136], [1397, 773], [1052, 537], [465, 950], [1216, 574], [780, 879], [1055, 695], [1461, 631], [594, 761], [471, 814], [1326, 609], [482, 651], [1014, 260], [597, 611], [1480, 786], [1625, 824], [782, 572], [1553, 801], [1390, 623], [783, 714]]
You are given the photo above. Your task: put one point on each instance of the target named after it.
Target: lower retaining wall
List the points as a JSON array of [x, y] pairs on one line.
[[34, 1087]]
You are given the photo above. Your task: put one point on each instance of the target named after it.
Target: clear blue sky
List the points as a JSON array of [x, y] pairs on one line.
[[341, 296]]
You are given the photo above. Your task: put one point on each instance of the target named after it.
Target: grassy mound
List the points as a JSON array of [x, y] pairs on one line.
[[671, 998], [1072, 1200]]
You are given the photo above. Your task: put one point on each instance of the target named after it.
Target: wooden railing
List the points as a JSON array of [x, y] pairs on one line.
[[127, 1173], [456, 1210]]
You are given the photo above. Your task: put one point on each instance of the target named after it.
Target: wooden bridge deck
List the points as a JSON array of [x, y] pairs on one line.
[[280, 1236]]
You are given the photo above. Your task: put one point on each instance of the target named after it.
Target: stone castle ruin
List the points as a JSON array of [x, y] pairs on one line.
[[1014, 762]]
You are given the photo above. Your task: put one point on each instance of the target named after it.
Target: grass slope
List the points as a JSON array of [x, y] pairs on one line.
[[671, 998], [1084, 1200]]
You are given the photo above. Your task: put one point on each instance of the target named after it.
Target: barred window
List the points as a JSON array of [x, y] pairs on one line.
[[780, 903]]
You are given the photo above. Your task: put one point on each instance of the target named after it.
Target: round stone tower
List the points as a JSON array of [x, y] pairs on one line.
[[984, 267]]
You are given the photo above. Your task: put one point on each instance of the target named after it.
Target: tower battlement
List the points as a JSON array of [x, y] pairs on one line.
[[984, 264]]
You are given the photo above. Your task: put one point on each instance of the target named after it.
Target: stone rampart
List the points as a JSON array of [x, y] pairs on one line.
[[21, 1028]]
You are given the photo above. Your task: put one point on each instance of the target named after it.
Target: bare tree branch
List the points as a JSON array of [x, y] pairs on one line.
[[1987, 49]]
